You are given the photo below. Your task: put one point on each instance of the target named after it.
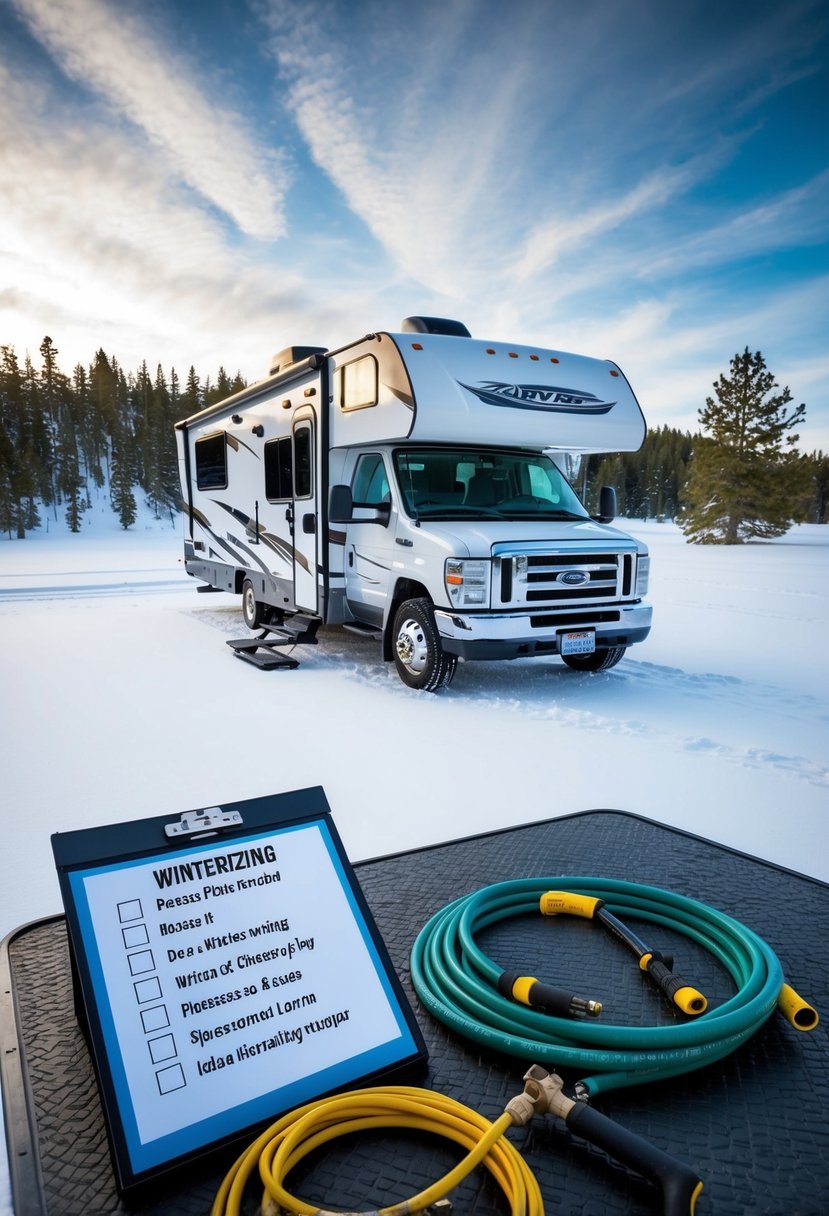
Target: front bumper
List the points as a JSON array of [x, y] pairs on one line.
[[512, 635]]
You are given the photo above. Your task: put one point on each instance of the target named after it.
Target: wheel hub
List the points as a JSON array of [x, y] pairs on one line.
[[411, 646]]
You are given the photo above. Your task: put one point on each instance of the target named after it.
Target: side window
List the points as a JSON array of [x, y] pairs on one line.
[[303, 449], [358, 383], [278, 469], [211, 462], [371, 485]]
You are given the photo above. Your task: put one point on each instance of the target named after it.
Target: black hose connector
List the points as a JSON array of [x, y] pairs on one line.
[[677, 990], [679, 1185], [527, 990]]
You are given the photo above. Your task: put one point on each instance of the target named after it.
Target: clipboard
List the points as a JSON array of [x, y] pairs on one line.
[[227, 969]]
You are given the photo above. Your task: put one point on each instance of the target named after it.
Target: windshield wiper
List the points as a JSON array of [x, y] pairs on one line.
[[553, 513], [458, 509]]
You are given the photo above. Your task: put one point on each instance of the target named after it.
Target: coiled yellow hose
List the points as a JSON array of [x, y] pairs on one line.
[[285, 1143]]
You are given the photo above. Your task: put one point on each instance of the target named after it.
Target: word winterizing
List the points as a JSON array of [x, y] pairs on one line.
[[209, 867]]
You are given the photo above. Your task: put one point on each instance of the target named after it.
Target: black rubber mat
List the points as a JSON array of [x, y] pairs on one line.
[[755, 1127]]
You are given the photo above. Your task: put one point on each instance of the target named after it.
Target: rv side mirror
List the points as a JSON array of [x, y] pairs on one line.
[[383, 512], [607, 505], [340, 505]]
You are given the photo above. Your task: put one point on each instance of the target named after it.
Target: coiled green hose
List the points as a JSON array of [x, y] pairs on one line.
[[458, 984]]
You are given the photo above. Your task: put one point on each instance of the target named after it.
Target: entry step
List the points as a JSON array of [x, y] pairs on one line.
[[297, 630], [364, 631], [260, 652]]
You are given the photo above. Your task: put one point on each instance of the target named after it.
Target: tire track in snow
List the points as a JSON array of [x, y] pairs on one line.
[[12, 595], [547, 690]]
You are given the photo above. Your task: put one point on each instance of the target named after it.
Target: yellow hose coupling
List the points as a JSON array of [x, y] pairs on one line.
[[795, 1010], [690, 1000], [568, 903]]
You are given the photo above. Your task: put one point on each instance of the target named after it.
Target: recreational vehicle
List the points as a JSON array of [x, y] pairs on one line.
[[409, 486]]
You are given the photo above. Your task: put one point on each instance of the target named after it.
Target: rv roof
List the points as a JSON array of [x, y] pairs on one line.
[[464, 388]]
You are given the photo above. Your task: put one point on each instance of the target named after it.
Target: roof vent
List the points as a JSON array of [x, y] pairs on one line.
[[291, 355], [435, 325]]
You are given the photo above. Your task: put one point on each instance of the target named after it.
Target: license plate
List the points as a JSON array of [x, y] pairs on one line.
[[581, 641]]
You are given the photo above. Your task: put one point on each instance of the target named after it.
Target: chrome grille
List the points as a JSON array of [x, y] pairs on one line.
[[563, 580]]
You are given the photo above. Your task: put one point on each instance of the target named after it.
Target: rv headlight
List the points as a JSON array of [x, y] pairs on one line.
[[467, 582], [643, 569]]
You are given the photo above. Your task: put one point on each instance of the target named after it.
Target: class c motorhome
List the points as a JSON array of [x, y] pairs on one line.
[[409, 486]]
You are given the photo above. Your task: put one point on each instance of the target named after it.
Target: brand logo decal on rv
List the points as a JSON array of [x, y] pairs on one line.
[[539, 397], [573, 578]]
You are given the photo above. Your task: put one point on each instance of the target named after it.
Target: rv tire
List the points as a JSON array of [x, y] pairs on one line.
[[599, 660], [253, 610], [419, 657]]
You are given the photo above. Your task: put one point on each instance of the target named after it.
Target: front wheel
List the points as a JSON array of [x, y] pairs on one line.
[[419, 657], [253, 610], [599, 660]]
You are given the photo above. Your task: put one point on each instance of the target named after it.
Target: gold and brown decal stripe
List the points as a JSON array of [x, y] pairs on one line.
[[251, 556], [200, 517], [285, 550], [279, 546], [233, 441]]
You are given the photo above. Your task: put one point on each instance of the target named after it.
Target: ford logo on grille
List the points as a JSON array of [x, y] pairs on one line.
[[573, 578]]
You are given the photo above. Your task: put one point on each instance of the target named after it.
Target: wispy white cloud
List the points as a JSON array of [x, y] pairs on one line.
[[116, 52], [792, 218], [422, 167], [565, 234], [98, 245]]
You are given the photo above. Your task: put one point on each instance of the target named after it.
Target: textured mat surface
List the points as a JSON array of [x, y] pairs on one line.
[[755, 1127]]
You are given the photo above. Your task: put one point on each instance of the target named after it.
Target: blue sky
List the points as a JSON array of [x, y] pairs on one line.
[[207, 183]]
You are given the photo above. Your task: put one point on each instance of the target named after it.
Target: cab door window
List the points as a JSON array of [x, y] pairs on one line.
[[370, 487]]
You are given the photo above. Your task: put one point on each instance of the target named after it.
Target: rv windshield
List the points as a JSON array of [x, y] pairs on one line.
[[444, 483]]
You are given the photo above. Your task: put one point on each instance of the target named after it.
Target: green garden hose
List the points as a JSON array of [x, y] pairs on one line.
[[459, 985]]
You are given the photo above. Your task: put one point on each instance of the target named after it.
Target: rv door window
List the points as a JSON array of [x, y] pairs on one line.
[[278, 469], [211, 462], [303, 485]]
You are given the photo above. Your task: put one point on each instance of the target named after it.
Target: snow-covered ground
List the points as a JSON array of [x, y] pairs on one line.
[[121, 700]]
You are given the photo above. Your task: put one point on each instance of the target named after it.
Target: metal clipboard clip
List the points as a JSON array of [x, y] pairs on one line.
[[206, 822]]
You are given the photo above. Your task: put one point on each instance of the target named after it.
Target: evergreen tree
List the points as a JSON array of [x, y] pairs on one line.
[[221, 389], [70, 481], [104, 414], [191, 398], [39, 426], [743, 477], [53, 402], [12, 444], [121, 477], [813, 504]]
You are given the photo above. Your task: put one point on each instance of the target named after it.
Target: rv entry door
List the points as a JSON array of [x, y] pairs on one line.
[[305, 529]]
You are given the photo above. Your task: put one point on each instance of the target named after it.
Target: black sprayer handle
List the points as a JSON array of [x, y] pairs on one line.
[[678, 1183]]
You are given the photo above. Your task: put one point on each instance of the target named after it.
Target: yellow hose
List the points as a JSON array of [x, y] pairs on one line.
[[284, 1144]]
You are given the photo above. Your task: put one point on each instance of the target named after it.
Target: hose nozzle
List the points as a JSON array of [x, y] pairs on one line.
[[529, 991]]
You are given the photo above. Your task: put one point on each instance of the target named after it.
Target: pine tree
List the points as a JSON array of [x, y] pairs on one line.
[[71, 483], [121, 477], [191, 399], [813, 499], [744, 474]]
